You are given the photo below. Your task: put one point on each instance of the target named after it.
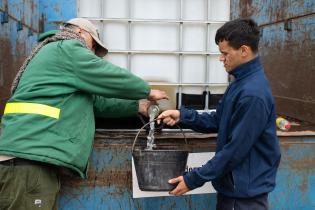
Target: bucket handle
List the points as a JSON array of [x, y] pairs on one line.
[[135, 140]]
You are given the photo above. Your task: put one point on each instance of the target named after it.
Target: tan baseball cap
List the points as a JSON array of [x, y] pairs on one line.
[[88, 26]]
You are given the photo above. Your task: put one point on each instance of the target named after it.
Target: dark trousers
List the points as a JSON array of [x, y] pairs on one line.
[[259, 202], [28, 185]]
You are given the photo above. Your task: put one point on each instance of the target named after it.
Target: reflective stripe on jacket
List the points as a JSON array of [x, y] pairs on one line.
[[50, 117]]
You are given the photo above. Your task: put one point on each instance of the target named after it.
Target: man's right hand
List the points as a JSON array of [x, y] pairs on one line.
[[181, 187], [157, 95], [169, 117]]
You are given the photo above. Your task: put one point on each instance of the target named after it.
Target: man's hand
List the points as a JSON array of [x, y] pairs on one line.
[[169, 117], [144, 106], [181, 187], [157, 95]]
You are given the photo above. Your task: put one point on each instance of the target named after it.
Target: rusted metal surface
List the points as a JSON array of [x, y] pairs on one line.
[[23, 23], [287, 52], [288, 56], [9, 64], [15, 43], [109, 185], [117, 148], [119, 178], [41, 23], [296, 175], [54, 12], [271, 11], [290, 65]]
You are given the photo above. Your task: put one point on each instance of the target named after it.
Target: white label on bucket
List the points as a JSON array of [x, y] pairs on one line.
[[194, 160]]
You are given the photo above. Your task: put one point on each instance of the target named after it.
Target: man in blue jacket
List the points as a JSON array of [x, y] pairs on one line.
[[243, 170]]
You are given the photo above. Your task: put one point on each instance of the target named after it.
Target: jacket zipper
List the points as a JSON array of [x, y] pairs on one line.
[[233, 180]]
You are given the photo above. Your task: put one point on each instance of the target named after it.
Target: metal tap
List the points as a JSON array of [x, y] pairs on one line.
[[153, 111]]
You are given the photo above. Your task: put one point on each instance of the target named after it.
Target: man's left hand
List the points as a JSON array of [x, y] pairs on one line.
[[181, 187], [144, 105]]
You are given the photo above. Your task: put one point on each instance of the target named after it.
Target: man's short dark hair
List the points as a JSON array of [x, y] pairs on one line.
[[239, 32]]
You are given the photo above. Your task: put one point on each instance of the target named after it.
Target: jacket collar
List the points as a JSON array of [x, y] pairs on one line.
[[246, 69]]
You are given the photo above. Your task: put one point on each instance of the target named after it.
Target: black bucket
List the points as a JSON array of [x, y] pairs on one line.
[[155, 167]]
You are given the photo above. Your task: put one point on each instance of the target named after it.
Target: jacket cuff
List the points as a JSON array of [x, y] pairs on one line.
[[183, 114], [134, 107], [192, 180]]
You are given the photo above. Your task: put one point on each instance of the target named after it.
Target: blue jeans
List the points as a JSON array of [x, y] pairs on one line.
[[259, 202]]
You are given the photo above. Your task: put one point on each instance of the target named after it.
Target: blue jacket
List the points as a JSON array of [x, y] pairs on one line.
[[248, 153]]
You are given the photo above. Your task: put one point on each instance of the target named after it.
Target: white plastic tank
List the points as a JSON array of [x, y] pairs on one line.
[[169, 43]]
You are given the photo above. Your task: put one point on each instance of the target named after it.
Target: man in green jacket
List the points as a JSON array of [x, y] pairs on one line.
[[48, 123]]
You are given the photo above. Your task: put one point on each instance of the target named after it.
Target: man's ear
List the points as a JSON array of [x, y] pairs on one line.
[[245, 50]]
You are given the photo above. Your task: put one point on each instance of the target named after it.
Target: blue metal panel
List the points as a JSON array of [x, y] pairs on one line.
[[56, 11], [109, 185], [35, 16], [104, 198], [266, 11], [25, 11], [296, 176], [15, 44]]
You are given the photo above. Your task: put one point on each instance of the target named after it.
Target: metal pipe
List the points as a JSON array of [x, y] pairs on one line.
[[286, 19], [164, 52], [180, 58], [129, 37], [188, 84], [206, 61], [155, 20], [294, 99], [102, 27]]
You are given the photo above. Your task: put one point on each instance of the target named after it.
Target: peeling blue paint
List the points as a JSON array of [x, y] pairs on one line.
[[57, 11], [295, 187], [296, 176], [287, 55], [265, 11], [27, 12], [17, 45], [102, 198]]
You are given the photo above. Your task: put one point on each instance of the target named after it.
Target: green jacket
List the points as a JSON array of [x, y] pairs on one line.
[[66, 76]]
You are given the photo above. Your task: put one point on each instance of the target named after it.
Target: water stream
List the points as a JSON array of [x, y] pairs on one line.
[[153, 111], [150, 137]]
